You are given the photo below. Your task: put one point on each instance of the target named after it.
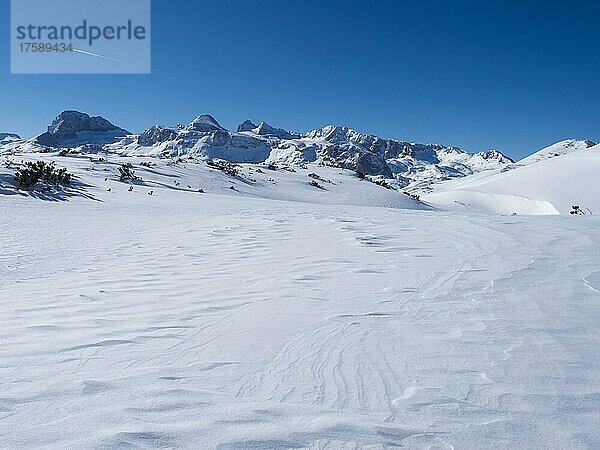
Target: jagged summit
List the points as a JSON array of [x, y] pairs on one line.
[[74, 128], [332, 133], [246, 125], [205, 123], [74, 121], [9, 136], [264, 129]]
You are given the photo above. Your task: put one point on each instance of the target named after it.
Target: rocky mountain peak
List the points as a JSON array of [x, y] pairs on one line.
[[246, 125], [74, 121], [9, 136], [74, 128], [205, 123]]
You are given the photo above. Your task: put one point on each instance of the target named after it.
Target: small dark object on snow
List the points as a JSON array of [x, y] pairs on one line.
[[201, 191], [411, 195], [151, 192], [130, 188], [126, 173], [382, 183]]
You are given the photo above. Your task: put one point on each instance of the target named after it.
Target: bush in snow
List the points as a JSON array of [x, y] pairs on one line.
[[579, 211], [126, 173], [314, 176], [226, 167], [411, 195], [42, 172], [382, 183]]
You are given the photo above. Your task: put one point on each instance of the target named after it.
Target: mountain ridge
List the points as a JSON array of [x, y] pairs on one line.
[[409, 166]]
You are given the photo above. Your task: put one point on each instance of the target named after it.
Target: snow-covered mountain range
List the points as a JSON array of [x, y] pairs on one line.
[[549, 181], [412, 166]]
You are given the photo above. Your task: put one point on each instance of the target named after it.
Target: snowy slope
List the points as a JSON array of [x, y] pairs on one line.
[[99, 172], [558, 149], [231, 319], [544, 184]]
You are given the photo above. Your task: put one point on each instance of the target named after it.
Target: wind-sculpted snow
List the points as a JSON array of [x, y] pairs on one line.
[[279, 315]]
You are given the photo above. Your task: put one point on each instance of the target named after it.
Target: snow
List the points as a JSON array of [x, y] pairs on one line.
[[557, 149], [279, 315], [549, 185]]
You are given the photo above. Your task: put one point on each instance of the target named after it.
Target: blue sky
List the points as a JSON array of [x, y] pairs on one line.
[[510, 75]]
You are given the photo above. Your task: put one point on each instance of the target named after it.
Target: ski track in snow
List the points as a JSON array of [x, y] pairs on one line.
[[241, 323]]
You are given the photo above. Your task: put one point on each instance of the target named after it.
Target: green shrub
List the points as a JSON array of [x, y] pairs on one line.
[[42, 172], [226, 167], [126, 173]]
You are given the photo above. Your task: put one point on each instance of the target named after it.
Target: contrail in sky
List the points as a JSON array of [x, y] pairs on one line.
[[128, 63]]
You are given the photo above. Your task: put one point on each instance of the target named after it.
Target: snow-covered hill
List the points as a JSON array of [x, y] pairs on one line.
[[558, 149], [97, 177], [550, 181]]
